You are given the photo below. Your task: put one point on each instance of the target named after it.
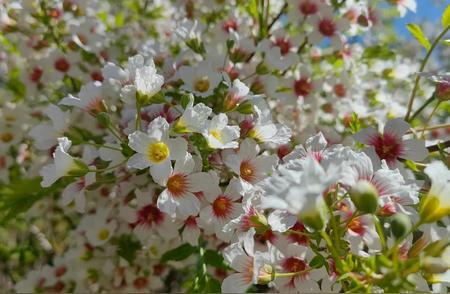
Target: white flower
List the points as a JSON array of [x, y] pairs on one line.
[[147, 81], [155, 149], [390, 145], [200, 80], [219, 134], [62, 166], [223, 206], [45, 135], [178, 198], [248, 165], [76, 191], [99, 229], [194, 118], [90, 98], [436, 204]]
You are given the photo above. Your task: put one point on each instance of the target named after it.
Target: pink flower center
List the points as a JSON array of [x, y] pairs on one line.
[[387, 147], [294, 265], [327, 27], [222, 206], [303, 87], [191, 222]]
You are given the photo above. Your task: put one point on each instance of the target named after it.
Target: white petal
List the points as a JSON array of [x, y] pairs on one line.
[[139, 141], [161, 172], [397, 127], [138, 161], [178, 147], [414, 149]]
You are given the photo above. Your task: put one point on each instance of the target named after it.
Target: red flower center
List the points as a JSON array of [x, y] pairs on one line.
[[230, 25], [308, 7], [303, 87], [177, 185], [61, 64], [387, 147], [149, 215], [298, 237], [140, 282], [339, 90], [222, 206], [247, 170], [284, 44], [294, 264], [327, 27], [357, 226], [36, 74]]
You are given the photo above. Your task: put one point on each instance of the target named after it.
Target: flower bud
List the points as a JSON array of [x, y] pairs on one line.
[[443, 91], [434, 265], [268, 276], [400, 225], [364, 196]]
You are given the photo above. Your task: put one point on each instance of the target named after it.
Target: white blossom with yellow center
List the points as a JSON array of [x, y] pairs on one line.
[[219, 134], [155, 149]]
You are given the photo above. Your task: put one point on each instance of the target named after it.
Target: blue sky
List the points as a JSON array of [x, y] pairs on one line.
[[426, 9]]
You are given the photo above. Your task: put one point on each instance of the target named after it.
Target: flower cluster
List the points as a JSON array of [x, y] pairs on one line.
[[208, 146]]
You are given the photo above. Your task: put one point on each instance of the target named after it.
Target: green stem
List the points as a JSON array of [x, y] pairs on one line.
[[424, 105], [108, 168], [333, 252], [380, 232], [429, 119], [422, 67], [138, 115]]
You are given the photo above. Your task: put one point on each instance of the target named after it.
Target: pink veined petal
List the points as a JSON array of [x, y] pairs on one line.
[[397, 127], [365, 136], [235, 283], [414, 149]]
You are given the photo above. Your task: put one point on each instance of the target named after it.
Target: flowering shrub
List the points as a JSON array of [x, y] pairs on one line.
[[207, 146]]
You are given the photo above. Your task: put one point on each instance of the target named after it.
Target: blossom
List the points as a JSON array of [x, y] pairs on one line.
[[436, 204], [390, 145], [155, 149], [63, 165], [248, 165], [90, 98], [219, 134]]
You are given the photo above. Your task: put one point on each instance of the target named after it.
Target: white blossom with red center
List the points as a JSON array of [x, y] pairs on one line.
[[222, 207], [248, 165], [177, 199], [394, 193], [314, 147], [89, 99], [146, 218], [327, 26], [295, 259], [361, 233], [390, 144], [77, 192]]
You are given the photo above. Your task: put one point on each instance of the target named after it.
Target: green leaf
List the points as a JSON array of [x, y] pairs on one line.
[[180, 253], [416, 31], [214, 259], [378, 52], [127, 247], [446, 17], [446, 42], [212, 286], [317, 261]]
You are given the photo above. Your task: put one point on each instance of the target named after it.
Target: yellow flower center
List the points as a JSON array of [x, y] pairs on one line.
[[432, 210], [201, 85], [216, 134], [157, 152], [255, 135], [6, 137], [103, 234]]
